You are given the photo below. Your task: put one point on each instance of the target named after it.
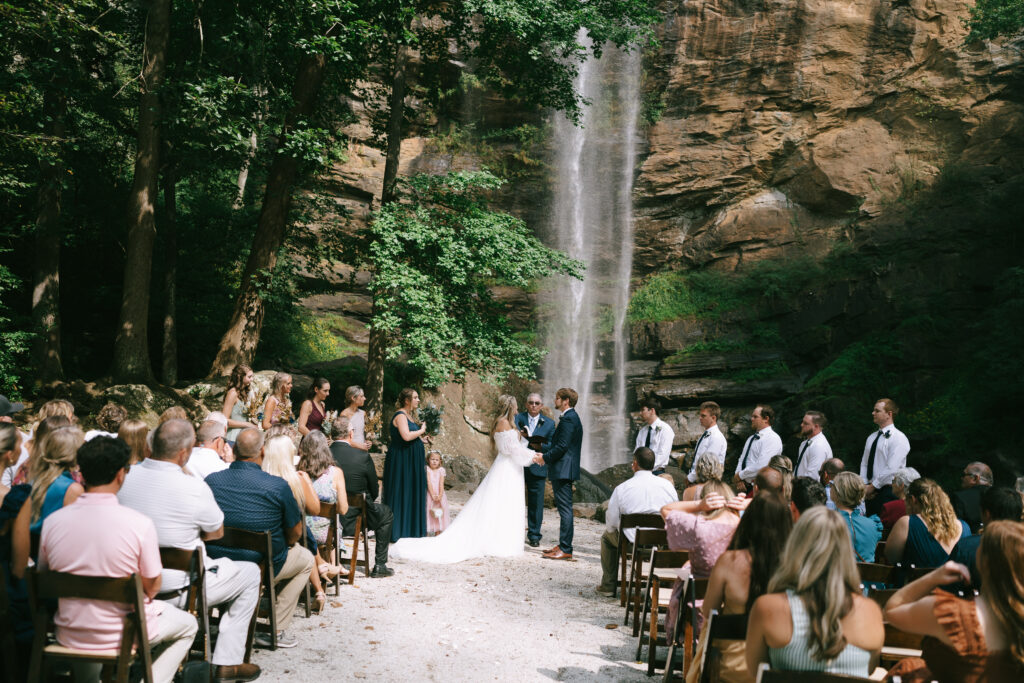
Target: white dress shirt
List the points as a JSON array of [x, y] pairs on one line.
[[712, 441], [661, 441], [180, 506], [758, 449], [890, 455], [811, 454], [643, 493], [203, 462]]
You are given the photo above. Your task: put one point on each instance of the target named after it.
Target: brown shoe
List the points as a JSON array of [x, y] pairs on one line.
[[238, 672], [558, 555], [551, 550]]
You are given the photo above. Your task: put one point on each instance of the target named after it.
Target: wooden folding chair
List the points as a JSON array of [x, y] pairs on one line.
[[881, 595], [306, 597], [720, 627], [192, 562], [662, 569], [880, 553], [766, 674], [641, 520], [874, 573], [260, 542], [358, 501], [8, 647], [44, 587], [645, 541], [899, 645]]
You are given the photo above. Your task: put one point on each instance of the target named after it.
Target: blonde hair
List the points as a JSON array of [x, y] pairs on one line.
[[708, 468], [278, 459], [999, 561], [57, 406], [848, 490], [56, 453], [818, 565], [134, 433], [279, 381], [507, 409], [935, 510], [722, 489], [173, 413]]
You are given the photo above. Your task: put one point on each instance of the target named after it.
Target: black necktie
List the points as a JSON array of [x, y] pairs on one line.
[[647, 443], [801, 456], [871, 456], [697, 447], [746, 450]]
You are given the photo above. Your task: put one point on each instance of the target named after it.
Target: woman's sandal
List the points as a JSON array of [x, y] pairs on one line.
[[319, 601]]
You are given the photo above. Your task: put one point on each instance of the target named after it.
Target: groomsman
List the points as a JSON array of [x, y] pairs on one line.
[[814, 450], [655, 434], [712, 441], [535, 425], [762, 445], [885, 451]]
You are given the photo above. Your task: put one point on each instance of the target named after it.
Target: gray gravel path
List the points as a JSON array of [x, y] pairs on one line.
[[525, 618]]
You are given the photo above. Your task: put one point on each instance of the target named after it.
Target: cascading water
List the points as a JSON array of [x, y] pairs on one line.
[[592, 221]]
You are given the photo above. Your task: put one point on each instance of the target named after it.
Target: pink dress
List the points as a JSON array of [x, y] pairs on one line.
[[436, 524]]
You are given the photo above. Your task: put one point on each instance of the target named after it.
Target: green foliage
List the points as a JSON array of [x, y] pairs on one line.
[[13, 342], [992, 18], [768, 370], [653, 106], [435, 255]]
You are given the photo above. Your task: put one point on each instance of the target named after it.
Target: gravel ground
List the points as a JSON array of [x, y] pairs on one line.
[[524, 618]]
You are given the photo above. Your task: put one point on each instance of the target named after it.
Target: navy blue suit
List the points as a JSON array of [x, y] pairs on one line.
[[563, 460], [535, 475]]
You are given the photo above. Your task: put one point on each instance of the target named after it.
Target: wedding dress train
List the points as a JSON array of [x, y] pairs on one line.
[[493, 521]]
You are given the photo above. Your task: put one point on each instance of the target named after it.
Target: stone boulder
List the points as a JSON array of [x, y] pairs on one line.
[[615, 475], [590, 489], [463, 473]]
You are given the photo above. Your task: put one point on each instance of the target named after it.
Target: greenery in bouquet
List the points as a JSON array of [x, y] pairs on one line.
[[327, 425], [430, 414]]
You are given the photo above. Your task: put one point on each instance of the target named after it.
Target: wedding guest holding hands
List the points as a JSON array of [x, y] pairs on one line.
[[814, 617], [236, 398], [885, 451], [313, 410], [929, 532], [759, 448], [655, 434], [866, 532], [355, 397], [405, 478], [712, 442], [814, 449], [278, 407], [967, 640]]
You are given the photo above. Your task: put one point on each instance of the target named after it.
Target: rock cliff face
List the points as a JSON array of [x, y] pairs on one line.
[[779, 130]]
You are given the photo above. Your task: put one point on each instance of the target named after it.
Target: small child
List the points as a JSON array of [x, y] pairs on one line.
[[437, 501]]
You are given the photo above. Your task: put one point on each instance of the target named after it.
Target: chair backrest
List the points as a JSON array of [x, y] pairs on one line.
[[881, 595], [668, 559], [871, 572], [329, 511], [897, 638], [645, 520], [181, 559], [357, 500], [768, 675], [650, 537], [720, 627], [257, 541], [47, 586]]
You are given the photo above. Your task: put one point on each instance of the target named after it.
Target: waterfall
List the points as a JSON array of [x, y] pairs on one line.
[[592, 220]]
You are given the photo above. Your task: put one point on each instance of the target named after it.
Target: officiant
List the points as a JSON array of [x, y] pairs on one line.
[[538, 430]]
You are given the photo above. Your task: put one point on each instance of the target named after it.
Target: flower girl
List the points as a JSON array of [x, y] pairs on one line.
[[437, 501]]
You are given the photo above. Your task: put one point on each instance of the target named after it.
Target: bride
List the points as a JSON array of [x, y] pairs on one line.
[[493, 521]]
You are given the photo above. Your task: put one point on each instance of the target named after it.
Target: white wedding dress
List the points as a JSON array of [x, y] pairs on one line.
[[493, 521]]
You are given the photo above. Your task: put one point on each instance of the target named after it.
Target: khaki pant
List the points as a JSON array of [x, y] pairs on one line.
[[290, 581], [609, 559]]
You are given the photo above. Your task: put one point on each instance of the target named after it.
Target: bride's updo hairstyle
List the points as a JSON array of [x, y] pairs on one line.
[[507, 408]]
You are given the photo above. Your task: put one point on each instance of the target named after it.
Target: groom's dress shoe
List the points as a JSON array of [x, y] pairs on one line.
[[551, 550], [558, 555], [532, 543]]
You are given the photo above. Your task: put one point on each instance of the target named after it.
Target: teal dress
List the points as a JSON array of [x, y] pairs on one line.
[[405, 484], [237, 414], [865, 532], [53, 501]]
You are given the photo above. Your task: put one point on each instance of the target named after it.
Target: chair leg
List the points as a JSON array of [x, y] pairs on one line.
[[639, 619], [354, 560], [366, 550], [652, 643]]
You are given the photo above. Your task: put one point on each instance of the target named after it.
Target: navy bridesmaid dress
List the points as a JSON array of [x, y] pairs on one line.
[[405, 483]]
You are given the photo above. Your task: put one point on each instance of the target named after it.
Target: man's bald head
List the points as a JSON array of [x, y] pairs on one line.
[[770, 479], [171, 438], [249, 444]]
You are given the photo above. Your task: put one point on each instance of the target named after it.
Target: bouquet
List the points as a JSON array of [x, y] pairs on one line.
[[431, 416], [326, 426]]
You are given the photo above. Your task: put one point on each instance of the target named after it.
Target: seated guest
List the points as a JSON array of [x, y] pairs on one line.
[[976, 479], [742, 573], [897, 508], [814, 617], [967, 640], [770, 480], [997, 505], [707, 468], [45, 426], [135, 433], [704, 527], [95, 536], [108, 420], [644, 492], [807, 493], [361, 478], [185, 514], [53, 488], [848, 492], [12, 499], [256, 501], [927, 535], [7, 412], [210, 452], [173, 413], [329, 484]]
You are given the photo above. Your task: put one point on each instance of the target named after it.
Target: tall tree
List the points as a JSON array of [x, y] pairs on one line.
[[169, 357], [131, 347]]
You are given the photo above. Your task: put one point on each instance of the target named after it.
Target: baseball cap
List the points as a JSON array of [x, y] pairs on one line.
[[7, 408]]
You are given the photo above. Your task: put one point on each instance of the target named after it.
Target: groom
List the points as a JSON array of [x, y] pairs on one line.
[[563, 460]]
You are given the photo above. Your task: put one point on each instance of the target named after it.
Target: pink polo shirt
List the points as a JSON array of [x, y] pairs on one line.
[[96, 536]]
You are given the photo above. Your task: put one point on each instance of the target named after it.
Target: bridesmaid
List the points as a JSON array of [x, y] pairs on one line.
[[278, 407], [238, 394], [355, 397], [312, 411], [405, 478]]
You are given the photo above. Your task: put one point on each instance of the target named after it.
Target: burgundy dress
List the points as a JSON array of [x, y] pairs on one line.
[[315, 421]]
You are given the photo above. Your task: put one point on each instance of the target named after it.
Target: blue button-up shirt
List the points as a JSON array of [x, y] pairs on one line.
[[255, 501]]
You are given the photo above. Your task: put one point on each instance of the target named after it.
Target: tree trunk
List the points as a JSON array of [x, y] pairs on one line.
[[131, 347], [377, 350], [238, 345], [49, 235], [169, 357], [243, 173]]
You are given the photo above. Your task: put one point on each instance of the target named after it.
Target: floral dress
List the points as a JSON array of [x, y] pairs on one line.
[[324, 487]]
